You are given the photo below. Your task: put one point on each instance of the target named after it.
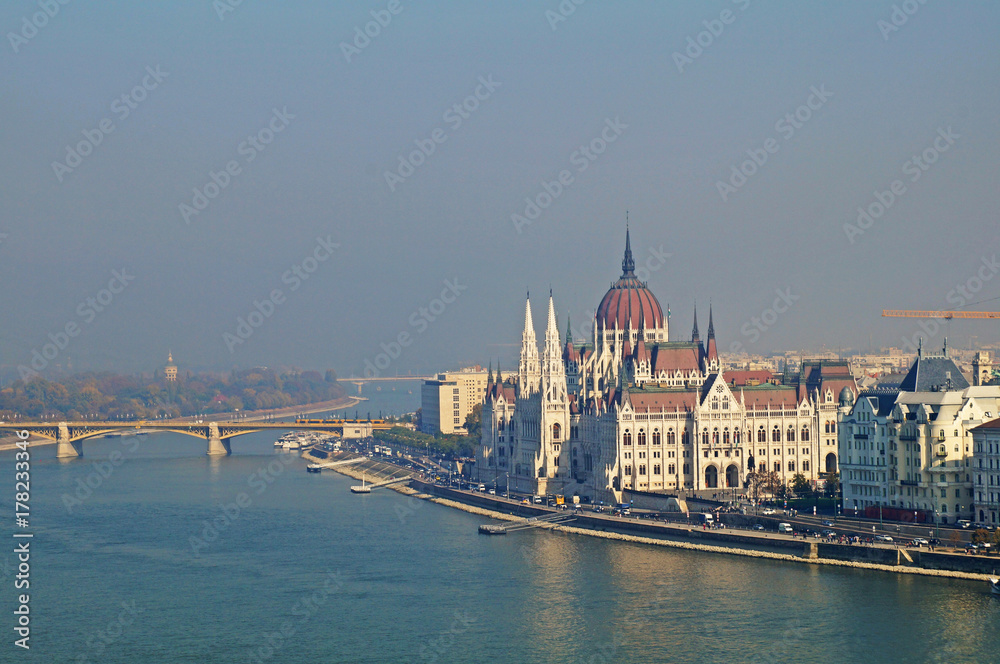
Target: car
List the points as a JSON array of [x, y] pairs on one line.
[[828, 523], [758, 526], [883, 538], [829, 533], [768, 511], [493, 492], [920, 541], [971, 546]]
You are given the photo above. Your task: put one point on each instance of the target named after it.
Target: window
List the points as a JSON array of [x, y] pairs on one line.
[[790, 435], [641, 438], [656, 469], [687, 469], [627, 437], [777, 466], [556, 431], [671, 439], [791, 466], [761, 435], [642, 469], [656, 436], [704, 437], [805, 466], [725, 437], [776, 434], [671, 469], [805, 434], [628, 470]]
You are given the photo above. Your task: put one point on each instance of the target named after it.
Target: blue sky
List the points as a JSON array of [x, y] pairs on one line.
[[683, 125]]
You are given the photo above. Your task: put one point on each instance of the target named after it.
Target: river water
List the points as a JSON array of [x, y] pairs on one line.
[[301, 570]]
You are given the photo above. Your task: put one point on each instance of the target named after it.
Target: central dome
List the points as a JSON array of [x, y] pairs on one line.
[[629, 301]]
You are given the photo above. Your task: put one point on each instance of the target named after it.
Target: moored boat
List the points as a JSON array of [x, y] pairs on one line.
[[995, 585]]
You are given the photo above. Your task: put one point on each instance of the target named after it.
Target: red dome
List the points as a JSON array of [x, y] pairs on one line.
[[629, 300]]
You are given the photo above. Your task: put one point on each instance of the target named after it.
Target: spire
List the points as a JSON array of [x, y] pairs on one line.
[[529, 325], [628, 265], [569, 331], [489, 379], [499, 376], [711, 327], [694, 330]]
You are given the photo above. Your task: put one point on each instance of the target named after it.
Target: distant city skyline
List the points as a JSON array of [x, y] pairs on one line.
[[306, 186]]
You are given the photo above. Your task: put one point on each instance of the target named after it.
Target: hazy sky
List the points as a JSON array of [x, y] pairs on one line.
[[310, 115]]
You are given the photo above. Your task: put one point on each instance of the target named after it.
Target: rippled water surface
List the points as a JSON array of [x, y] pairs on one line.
[[308, 572]]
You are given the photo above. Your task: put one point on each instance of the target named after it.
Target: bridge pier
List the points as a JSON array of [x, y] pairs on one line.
[[65, 447], [217, 445]]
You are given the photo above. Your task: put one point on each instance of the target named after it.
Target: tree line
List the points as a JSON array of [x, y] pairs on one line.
[[106, 395]]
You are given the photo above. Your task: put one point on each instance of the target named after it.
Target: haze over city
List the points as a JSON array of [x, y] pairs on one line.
[[307, 129]]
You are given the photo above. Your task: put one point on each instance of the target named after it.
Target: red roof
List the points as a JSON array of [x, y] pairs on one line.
[[672, 359], [740, 378], [629, 302]]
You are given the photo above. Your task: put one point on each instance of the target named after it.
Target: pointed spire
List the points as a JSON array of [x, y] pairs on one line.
[[552, 325], [711, 326], [694, 330], [628, 264], [529, 325], [569, 331], [489, 378], [499, 376]]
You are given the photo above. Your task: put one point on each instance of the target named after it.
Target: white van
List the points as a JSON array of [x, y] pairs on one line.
[[785, 528]]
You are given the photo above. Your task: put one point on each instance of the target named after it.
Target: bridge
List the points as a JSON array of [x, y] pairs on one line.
[[69, 436]]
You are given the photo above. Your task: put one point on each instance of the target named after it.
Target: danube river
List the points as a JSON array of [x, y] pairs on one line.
[[161, 563]]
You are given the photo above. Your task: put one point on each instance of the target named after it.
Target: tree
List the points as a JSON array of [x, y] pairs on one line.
[[474, 421], [832, 485], [800, 485]]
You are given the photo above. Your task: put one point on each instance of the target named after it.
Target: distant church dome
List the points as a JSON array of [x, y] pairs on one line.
[[846, 397], [629, 300]]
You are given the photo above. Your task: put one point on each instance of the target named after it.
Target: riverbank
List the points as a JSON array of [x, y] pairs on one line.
[[374, 470]]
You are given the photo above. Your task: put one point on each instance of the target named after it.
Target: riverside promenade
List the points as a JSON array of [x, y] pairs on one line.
[[729, 541]]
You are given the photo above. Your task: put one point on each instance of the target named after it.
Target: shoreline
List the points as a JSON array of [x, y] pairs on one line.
[[351, 471]]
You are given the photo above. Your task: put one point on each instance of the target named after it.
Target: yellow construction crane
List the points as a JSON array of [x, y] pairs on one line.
[[907, 313]]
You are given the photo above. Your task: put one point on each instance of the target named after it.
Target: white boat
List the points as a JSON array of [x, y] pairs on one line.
[[995, 585]]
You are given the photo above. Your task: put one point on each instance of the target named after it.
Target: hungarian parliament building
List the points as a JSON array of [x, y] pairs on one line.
[[631, 410]]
